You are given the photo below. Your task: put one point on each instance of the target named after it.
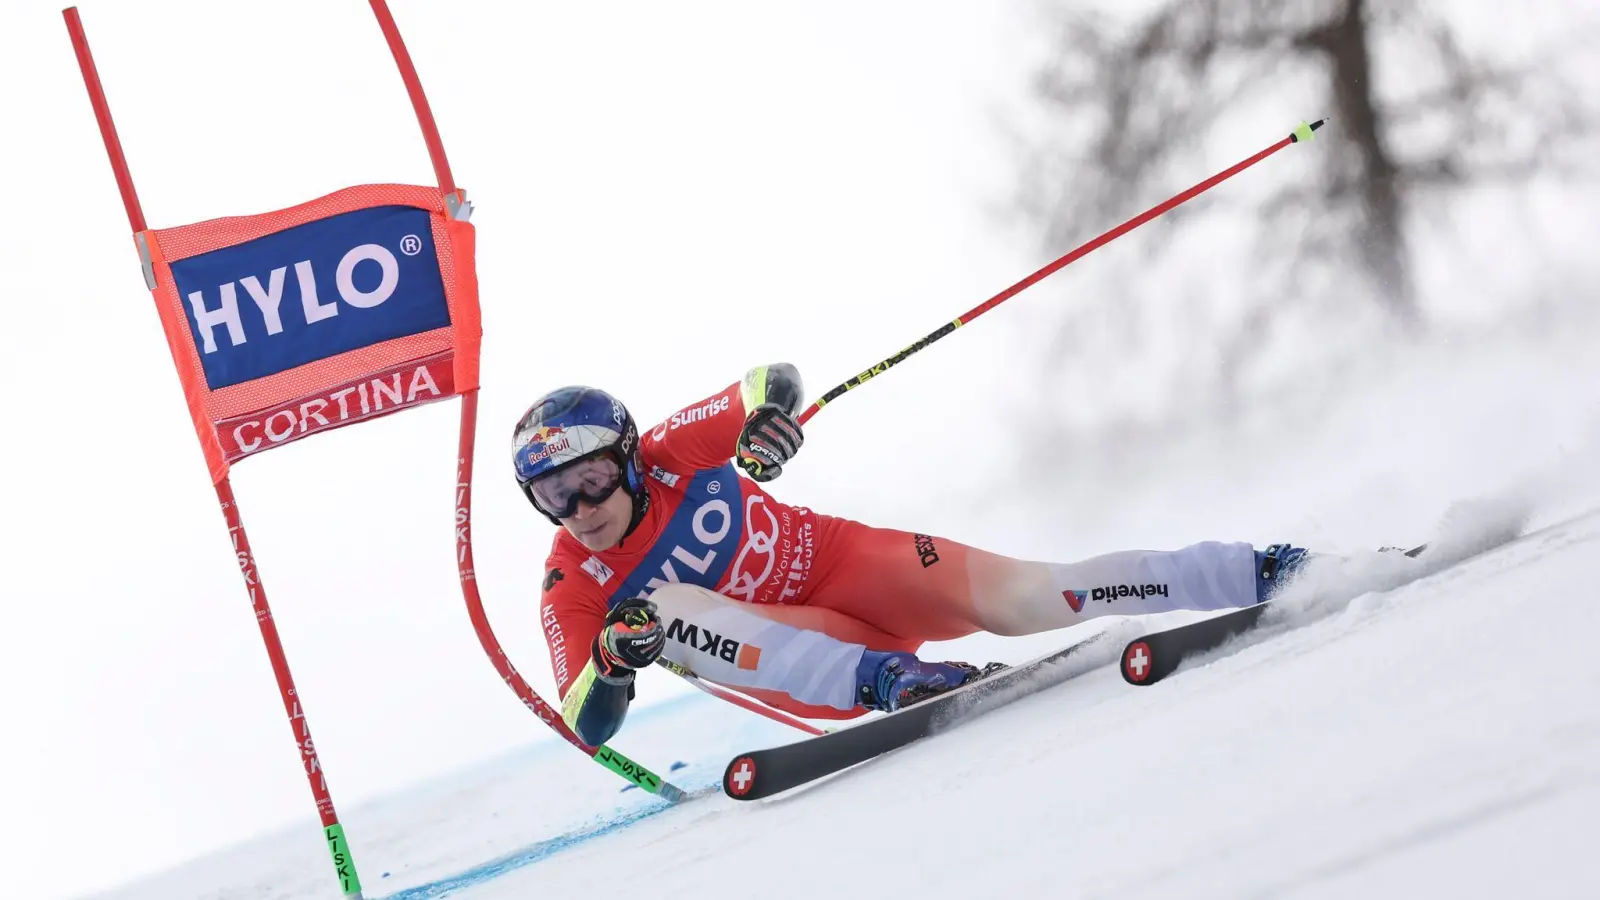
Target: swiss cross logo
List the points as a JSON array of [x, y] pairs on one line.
[[741, 776], [1136, 662]]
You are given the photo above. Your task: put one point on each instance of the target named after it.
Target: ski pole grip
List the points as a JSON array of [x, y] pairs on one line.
[[752, 466]]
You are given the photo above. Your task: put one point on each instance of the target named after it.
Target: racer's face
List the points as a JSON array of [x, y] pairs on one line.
[[600, 526]]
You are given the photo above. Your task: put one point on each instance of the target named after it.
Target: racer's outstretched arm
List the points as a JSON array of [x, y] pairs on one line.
[[710, 432]]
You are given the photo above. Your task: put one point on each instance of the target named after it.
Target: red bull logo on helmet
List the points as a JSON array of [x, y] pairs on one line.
[[539, 444], [558, 444]]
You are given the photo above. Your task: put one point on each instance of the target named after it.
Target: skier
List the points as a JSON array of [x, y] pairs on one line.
[[664, 551]]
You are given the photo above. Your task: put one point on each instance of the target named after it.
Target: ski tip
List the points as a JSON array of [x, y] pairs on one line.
[[1138, 663], [740, 778]]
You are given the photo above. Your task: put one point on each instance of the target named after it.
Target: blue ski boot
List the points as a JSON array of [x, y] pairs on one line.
[[1276, 567], [889, 681]]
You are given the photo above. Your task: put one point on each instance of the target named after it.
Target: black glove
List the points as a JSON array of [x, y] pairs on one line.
[[771, 437], [631, 639]]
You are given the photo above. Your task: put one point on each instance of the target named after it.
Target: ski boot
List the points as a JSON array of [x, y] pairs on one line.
[[1280, 564], [890, 681], [1276, 567]]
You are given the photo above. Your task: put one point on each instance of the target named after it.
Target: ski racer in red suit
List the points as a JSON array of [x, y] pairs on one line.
[[666, 551]]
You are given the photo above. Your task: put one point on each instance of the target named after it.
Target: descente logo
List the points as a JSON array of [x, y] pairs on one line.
[[389, 391], [693, 414]]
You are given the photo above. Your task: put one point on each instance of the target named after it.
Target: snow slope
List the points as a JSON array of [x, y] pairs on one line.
[[1438, 739]]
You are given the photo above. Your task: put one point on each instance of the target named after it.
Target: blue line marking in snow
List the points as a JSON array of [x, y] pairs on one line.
[[528, 855]]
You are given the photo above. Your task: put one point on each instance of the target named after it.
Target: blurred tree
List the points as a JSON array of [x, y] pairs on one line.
[[1411, 111]]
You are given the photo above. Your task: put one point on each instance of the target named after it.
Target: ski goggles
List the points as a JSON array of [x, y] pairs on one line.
[[593, 478]]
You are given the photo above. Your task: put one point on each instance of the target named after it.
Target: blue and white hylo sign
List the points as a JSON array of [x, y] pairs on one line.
[[311, 292]]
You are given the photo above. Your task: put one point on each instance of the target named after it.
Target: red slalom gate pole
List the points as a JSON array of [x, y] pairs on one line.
[[1301, 133], [604, 755], [333, 831], [419, 100], [102, 115]]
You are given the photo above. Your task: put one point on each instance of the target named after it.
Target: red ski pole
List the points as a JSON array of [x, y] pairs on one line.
[[1302, 133]]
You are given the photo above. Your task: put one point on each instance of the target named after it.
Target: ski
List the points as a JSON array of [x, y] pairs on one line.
[[1148, 659], [762, 773]]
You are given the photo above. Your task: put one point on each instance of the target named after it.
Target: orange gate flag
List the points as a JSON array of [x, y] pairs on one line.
[[352, 306]]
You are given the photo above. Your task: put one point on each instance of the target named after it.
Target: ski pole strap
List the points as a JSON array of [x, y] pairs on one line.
[[1302, 134]]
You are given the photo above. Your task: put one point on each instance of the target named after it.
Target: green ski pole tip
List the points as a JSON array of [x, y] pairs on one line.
[[349, 879], [1304, 132]]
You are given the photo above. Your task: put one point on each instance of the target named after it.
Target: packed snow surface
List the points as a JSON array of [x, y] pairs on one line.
[[1440, 738]]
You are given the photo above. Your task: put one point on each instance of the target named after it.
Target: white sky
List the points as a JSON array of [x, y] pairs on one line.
[[664, 197]]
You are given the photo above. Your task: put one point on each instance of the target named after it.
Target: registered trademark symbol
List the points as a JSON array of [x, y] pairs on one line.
[[411, 245], [714, 487]]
